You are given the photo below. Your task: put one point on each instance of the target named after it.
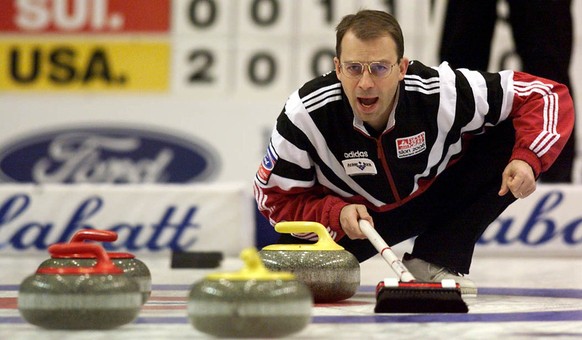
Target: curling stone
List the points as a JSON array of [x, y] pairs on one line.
[[132, 266], [251, 303], [331, 272], [87, 297]]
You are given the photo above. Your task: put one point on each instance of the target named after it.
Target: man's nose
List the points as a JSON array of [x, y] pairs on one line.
[[366, 80]]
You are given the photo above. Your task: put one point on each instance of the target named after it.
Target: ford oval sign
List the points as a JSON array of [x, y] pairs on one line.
[[106, 155]]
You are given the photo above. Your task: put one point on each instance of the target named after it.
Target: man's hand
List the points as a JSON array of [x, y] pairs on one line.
[[349, 217], [518, 177]]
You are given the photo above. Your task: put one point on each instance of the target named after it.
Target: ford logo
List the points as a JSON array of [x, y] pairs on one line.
[[106, 155]]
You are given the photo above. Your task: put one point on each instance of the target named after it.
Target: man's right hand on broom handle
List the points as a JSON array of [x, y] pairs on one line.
[[349, 217]]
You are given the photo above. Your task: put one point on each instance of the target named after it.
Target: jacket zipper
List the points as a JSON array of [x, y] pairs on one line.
[[380, 151]]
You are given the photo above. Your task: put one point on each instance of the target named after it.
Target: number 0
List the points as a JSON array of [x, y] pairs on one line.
[[268, 19], [262, 62], [322, 56], [198, 20]]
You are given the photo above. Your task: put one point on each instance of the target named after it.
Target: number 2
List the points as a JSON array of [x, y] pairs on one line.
[[202, 61]]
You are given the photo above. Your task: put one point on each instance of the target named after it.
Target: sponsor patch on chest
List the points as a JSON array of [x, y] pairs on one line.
[[410, 146], [359, 166]]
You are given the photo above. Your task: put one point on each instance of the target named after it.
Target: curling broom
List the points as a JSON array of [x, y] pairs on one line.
[[406, 295]]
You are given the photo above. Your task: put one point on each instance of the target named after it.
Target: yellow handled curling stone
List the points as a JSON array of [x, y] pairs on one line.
[[331, 272]]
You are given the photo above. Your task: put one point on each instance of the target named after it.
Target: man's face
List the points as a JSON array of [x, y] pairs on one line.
[[371, 98]]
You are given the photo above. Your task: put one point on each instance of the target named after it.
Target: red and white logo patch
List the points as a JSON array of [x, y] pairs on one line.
[[410, 146], [267, 165]]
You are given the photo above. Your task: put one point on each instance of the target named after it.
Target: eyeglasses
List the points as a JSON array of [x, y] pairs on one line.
[[355, 69]]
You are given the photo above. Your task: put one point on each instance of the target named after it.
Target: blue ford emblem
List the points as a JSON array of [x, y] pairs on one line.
[[107, 155]]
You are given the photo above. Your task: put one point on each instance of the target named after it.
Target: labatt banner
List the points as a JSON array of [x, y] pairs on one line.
[[547, 222], [149, 219]]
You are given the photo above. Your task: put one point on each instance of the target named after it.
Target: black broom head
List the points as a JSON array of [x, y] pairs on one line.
[[419, 297]]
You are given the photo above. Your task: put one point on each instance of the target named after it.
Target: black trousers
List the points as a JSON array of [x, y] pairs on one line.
[[543, 35], [453, 213]]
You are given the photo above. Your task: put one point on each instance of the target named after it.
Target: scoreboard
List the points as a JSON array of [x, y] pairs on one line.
[[192, 47]]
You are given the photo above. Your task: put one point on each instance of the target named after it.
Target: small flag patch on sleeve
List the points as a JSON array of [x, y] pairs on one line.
[[267, 165]]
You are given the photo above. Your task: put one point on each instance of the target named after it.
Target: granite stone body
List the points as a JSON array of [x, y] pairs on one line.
[[331, 272], [332, 275], [251, 303], [249, 309], [98, 296], [130, 265], [85, 301]]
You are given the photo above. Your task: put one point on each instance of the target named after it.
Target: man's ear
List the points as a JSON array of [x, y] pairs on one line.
[[337, 64], [403, 66]]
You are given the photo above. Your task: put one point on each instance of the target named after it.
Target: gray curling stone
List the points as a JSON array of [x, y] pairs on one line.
[[95, 297], [132, 266], [251, 303], [331, 272]]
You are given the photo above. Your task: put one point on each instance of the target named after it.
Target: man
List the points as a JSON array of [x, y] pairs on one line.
[[434, 153]]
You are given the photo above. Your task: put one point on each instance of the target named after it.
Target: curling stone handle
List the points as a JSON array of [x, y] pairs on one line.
[[94, 235], [386, 252], [253, 269], [324, 239], [252, 260], [103, 260]]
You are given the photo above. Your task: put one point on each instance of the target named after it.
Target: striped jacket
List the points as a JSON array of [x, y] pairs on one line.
[[321, 156]]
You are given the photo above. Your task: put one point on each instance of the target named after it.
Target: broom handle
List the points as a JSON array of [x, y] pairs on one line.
[[384, 249]]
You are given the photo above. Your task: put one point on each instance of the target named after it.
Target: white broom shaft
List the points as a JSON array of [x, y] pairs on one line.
[[386, 252]]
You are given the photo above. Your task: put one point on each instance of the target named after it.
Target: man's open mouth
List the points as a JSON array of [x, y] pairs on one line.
[[367, 102]]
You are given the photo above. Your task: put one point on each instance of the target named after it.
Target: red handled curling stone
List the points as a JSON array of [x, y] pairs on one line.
[[331, 272], [132, 266], [87, 297], [251, 303]]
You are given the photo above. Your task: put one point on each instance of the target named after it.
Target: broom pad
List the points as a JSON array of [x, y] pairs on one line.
[[411, 298]]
